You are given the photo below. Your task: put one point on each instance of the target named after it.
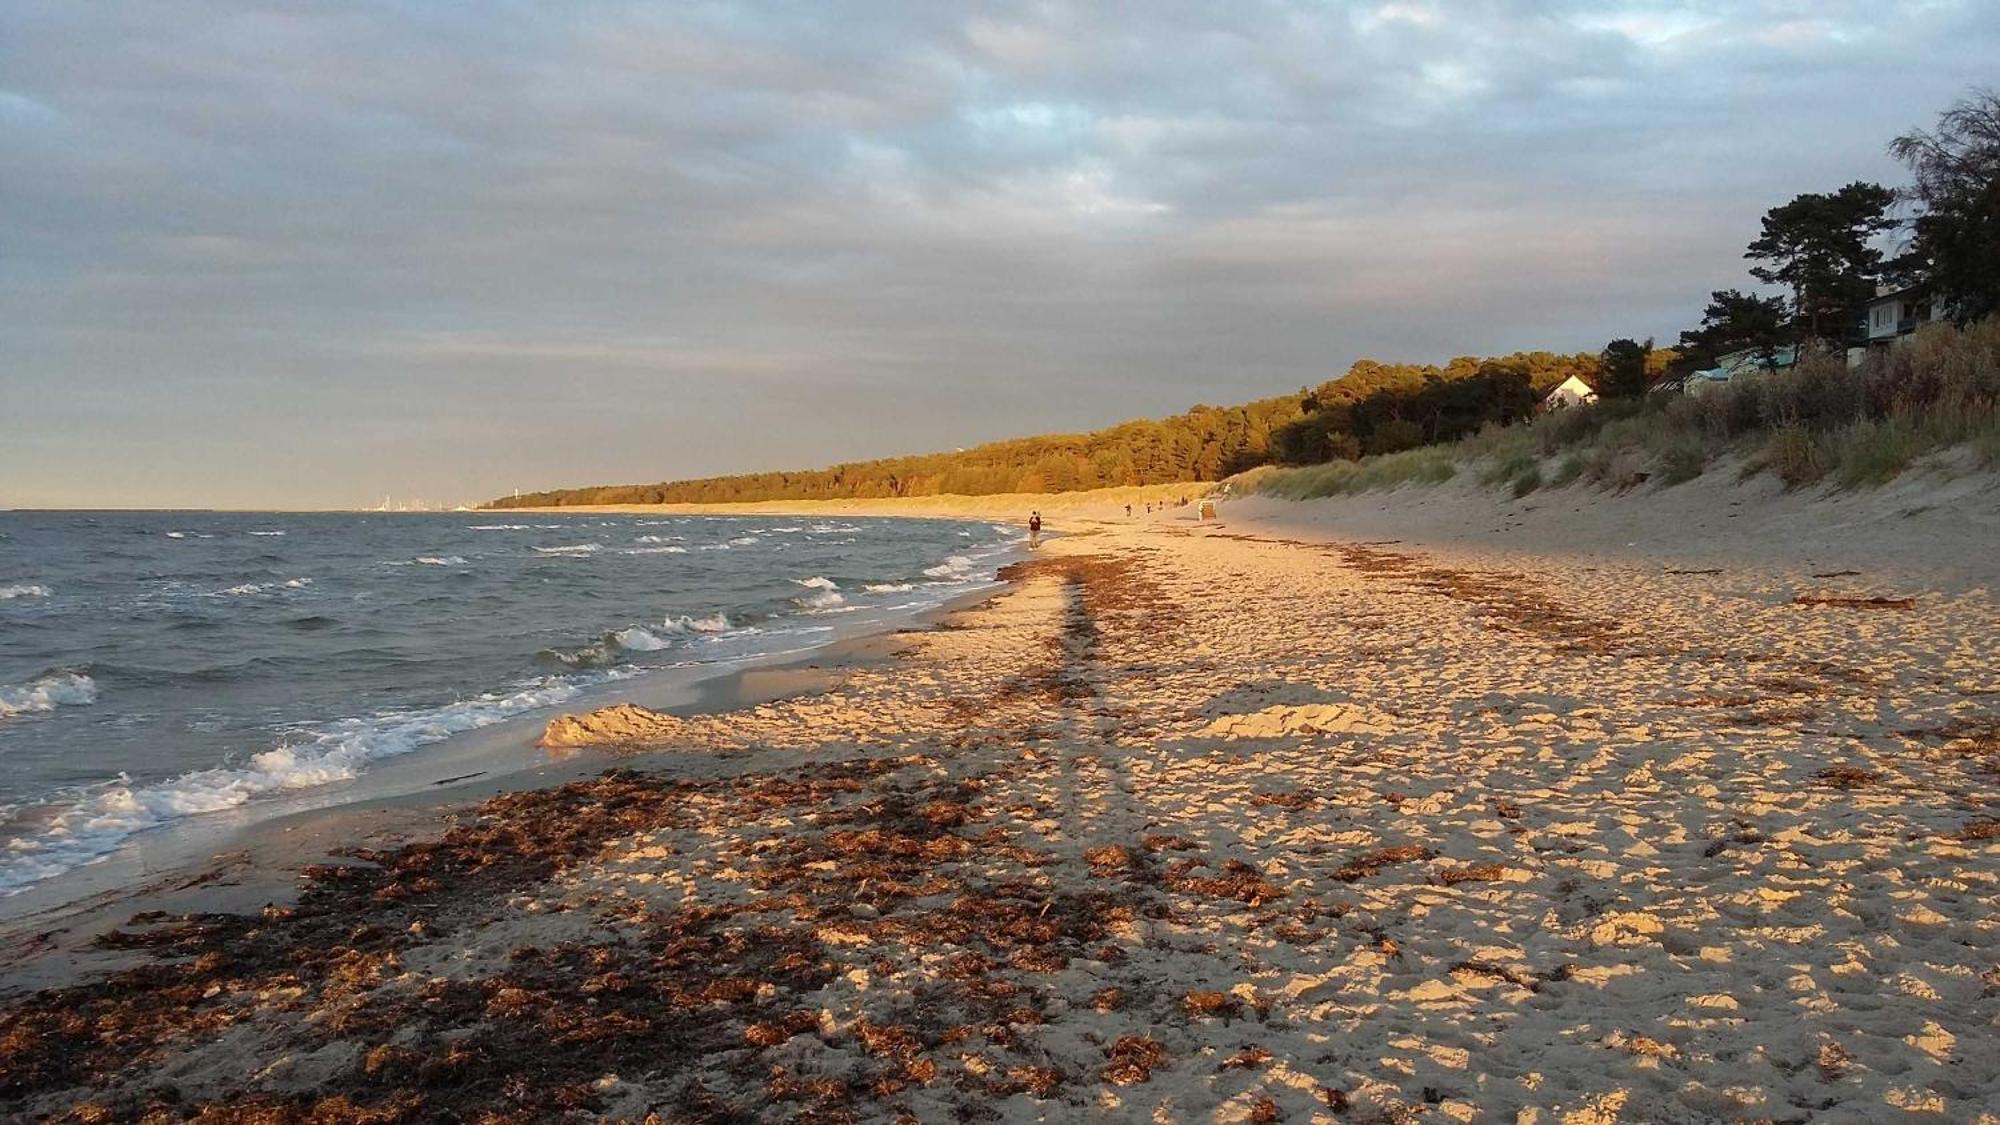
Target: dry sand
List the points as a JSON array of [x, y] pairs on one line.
[[1572, 810]]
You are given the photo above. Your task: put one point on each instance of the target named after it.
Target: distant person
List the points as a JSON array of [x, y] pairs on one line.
[[1034, 529], [1128, 511]]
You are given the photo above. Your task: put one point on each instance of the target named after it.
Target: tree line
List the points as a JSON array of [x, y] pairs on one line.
[[1823, 249], [1375, 407]]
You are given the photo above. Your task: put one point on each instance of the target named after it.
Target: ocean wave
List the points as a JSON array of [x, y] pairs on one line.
[[8, 593], [596, 654], [637, 639], [713, 623], [248, 589], [608, 648], [498, 527], [660, 539], [825, 594], [93, 827], [889, 588], [744, 541], [61, 689], [267, 533], [954, 567], [832, 529], [668, 550], [571, 549]]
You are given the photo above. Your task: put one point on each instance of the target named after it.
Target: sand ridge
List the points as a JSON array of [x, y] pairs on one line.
[[1192, 823]]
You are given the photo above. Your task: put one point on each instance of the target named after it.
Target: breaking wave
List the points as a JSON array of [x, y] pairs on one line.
[[955, 567], [713, 623], [7, 593], [61, 689], [825, 594], [638, 639], [248, 589], [93, 827]]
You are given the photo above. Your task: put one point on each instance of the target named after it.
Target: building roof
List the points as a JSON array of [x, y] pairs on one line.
[[1915, 289], [1780, 357]]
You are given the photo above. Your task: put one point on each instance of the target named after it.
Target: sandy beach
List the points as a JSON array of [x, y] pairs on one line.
[[1417, 807]]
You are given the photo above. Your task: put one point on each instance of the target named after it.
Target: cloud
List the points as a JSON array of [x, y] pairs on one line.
[[714, 237]]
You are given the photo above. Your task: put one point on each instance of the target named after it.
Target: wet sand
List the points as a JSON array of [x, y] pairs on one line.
[[1520, 815]]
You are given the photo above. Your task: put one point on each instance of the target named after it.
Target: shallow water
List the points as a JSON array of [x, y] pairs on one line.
[[160, 666]]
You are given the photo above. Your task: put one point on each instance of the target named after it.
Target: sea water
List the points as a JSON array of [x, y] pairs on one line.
[[158, 667]]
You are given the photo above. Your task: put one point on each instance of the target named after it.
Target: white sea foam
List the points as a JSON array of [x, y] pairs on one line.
[[714, 623], [667, 550], [93, 827], [439, 560], [638, 640], [61, 689], [576, 549], [498, 527], [743, 541], [272, 533], [660, 539], [8, 593], [248, 589], [889, 588], [957, 567], [825, 594]]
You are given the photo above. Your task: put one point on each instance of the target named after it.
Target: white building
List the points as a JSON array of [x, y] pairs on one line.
[[1893, 315], [1570, 392]]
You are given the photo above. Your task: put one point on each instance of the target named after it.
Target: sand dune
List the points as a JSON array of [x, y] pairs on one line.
[[1247, 823]]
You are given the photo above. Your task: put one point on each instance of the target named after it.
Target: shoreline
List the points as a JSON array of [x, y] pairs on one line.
[[1319, 809], [232, 868]]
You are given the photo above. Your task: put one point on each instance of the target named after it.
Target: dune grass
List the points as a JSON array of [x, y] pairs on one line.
[[1821, 422], [1431, 464]]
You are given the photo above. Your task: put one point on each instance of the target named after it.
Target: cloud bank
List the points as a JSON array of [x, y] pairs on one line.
[[265, 254]]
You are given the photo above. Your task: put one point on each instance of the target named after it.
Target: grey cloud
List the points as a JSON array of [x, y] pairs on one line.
[[266, 253]]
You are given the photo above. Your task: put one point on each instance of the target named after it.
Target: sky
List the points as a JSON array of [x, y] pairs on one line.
[[309, 255]]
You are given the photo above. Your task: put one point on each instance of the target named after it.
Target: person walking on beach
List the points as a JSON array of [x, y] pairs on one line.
[[1034, 529]]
